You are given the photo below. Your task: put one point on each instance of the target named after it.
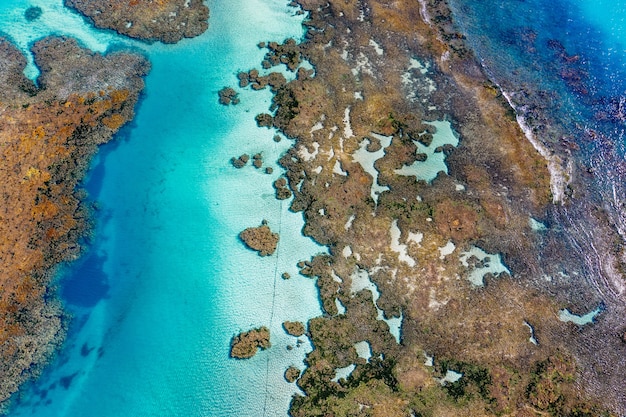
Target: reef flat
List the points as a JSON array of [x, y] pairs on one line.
[[166, 21], [49, 133], [456, 258]]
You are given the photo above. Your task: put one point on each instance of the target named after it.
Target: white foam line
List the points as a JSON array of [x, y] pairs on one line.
[[560, 176]]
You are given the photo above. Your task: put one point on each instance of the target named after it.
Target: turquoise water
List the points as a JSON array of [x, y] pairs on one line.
[[170, 283]]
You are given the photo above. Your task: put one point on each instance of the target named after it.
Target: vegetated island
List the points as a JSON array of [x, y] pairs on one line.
[[167, 21], [246, 344], [49, 134], [389, 77]]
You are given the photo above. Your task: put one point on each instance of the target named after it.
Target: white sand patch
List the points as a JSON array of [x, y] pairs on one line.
[[321, 212], [415, 64], [307, 156], [363, 350], [433, 302], [348, 224], [560, 171], [317, 126], [424, 12], [435, 161], [343, 372], [415, 237], [487, 263], [358, 95], [429, 360], [347, 129], [336, 277], [414, 80], [338, 170], [363, 66], [361, 281], [318, 170], [536, 225], [379, 50], [450, 377], [368, 159], [532, 338], [395, 326], [459, 187], [346, 252], [341, 309], [446, 250], [566, 316], [397, 247]]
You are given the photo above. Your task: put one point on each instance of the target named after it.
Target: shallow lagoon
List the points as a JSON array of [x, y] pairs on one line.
[[175, 282]]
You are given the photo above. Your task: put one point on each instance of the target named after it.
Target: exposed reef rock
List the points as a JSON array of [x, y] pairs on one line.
[[260, 239], [245, 345], [404, 249], [48, 137], [166, 21], [294, 328]]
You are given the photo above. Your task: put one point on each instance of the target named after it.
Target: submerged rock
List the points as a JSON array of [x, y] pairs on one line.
[[245, 345], [228, 96], [241, 161], [33, 13]]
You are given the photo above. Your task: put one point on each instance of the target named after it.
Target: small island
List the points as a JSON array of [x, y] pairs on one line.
[[245, 345], [292, 374], [260, 239], [294, 328]]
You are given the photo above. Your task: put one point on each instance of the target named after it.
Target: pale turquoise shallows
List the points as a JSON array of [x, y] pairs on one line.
[[180, 282]]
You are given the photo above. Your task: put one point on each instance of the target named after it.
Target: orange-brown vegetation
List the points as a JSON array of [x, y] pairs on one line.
[[47, 137]]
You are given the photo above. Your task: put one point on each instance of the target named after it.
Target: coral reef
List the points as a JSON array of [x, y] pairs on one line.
[[166, 21], [245, 345]]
